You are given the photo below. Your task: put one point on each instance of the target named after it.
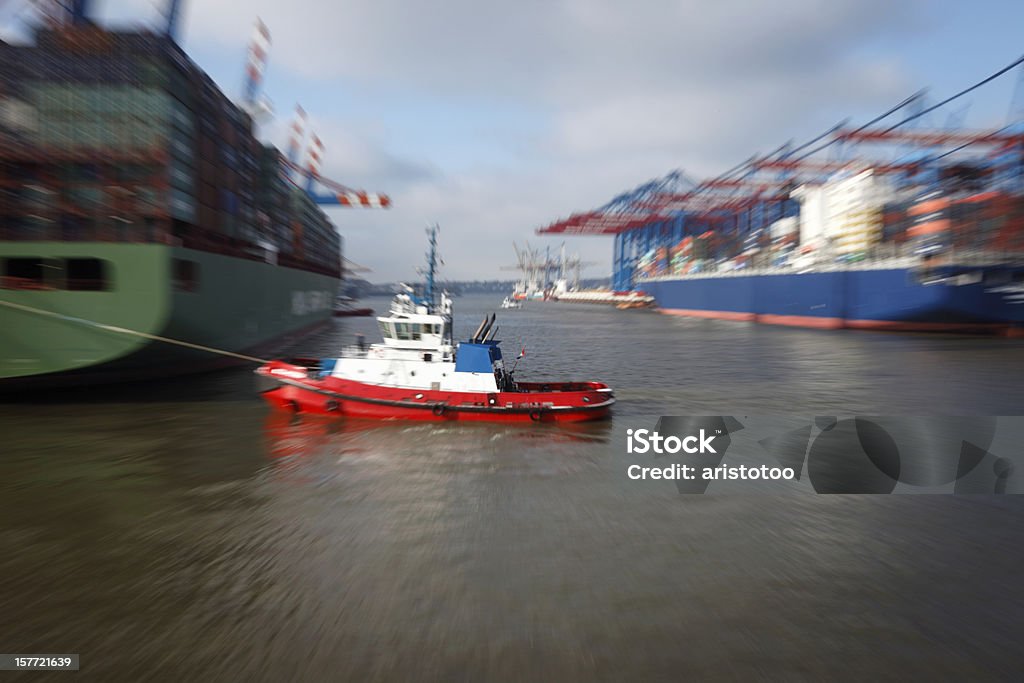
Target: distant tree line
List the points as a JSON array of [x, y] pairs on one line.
[[358, 288]]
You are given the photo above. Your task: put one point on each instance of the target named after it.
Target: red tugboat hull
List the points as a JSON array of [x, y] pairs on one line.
[[293, 388]]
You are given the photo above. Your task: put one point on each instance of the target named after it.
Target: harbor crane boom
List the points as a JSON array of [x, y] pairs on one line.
[[307, 178]]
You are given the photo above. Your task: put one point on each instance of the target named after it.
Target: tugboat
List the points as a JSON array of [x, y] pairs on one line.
[[419, 372]]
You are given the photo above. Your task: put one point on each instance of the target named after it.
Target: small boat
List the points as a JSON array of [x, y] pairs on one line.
[[419, 372], [509, 302], [341, 311], [343, 306]]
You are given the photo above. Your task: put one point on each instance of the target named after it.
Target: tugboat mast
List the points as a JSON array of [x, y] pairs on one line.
[[431, 267]]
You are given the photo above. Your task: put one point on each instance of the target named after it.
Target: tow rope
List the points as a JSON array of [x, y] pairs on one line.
[[136, 333]]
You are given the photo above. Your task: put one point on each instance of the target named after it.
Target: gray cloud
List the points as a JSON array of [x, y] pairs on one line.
[[628, 90]]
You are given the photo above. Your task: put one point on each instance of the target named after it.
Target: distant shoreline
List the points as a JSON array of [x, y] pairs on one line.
[[362, 288]]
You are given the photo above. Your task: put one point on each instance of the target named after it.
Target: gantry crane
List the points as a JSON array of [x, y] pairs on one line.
[[308, 177]]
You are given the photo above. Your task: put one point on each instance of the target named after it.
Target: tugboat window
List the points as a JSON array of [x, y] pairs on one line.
[[402, 331], [87, 275], [415, 332]]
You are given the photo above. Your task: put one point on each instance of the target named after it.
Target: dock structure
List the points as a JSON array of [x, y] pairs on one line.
[[848, 194], [542, 275]]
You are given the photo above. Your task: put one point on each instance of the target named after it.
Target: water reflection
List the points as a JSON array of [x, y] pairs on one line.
[[298, 446]]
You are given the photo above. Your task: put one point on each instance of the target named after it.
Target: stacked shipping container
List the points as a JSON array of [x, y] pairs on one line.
[[119, 136]]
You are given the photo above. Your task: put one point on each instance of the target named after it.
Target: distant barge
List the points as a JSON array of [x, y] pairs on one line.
[[601, 296]]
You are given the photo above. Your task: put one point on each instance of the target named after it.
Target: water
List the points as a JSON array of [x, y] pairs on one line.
[[184, 531]]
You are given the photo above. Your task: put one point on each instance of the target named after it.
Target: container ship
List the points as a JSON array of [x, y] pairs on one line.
[[135, 195], [856, 256]]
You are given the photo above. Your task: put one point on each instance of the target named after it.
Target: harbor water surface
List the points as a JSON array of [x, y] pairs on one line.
[[182, 530]]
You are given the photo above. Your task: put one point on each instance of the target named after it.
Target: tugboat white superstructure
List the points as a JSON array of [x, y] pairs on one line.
[[419, 372]]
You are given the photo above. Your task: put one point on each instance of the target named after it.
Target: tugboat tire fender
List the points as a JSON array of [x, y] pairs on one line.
[[536, 415], [439, 409]]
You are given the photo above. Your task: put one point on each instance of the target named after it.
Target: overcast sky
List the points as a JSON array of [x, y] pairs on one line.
[[493, 119]]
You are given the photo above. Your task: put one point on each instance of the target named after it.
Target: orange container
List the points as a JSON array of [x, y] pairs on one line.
[[929, 228], [930, 206]]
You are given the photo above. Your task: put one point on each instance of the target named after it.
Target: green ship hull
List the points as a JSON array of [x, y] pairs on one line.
[[223, 302]]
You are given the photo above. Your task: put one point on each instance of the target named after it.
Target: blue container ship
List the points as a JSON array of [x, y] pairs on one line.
[[856, 256]]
